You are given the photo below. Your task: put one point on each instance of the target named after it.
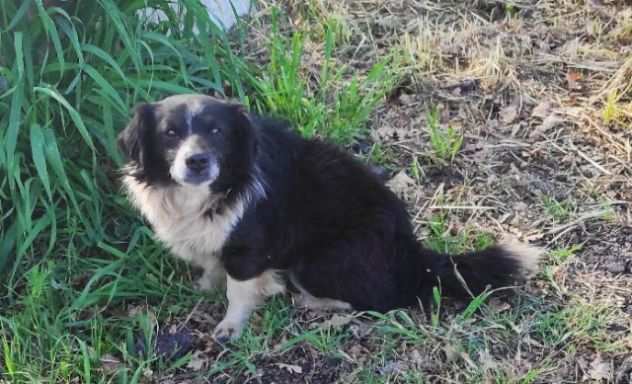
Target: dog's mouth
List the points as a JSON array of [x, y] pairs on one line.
[[200, 177]]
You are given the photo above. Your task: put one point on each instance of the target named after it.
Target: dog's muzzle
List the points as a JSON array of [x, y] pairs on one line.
[[200, 168], [194, 165]]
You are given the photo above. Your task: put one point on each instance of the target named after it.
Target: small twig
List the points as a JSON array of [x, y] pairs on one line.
[[185, 322], [582, 218], [592, 162], [461, 207]]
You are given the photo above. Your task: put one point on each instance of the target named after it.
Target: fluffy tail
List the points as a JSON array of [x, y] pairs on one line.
[[470, 274]]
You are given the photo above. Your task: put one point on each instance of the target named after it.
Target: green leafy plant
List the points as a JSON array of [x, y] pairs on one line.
[[558, 210], [334, 106], [440, 240], [446, 143]]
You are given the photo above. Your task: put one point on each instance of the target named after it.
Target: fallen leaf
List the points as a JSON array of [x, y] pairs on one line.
[[451, 353], [542, 110], [499, 305], [290, 367], [197, 362], [148, 373], [417, 359], [509, 114], [392, 367], [572, 79], [549, 123], [599, 369], [109, 363], [400, 182], [359, 329], [336, 321], [356, 351], [407, 99], [487, 361]]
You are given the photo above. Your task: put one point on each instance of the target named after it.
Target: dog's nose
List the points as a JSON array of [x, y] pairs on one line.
[[198, 162]]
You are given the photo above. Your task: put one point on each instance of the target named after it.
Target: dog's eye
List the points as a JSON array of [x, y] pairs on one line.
[[171, 132], [215, 130]]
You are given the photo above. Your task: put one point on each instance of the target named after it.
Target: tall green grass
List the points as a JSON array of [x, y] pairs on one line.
[[73, 74], [69, 249], [337, 105]]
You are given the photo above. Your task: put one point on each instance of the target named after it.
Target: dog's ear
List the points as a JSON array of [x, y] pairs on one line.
[[236, 106], [131, 139], [242, 112]]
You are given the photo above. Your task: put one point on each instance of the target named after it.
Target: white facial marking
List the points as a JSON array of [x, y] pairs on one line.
[[193, 108], [178, 169]]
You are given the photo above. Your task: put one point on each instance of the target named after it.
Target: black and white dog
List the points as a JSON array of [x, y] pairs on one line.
[[245, 198]]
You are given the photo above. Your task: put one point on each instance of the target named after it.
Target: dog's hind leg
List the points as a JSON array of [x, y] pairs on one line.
[[305, 299], [357, 272], [308, 301], [243, 297]]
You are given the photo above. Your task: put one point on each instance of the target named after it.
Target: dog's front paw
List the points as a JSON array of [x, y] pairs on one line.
[[227, 330]]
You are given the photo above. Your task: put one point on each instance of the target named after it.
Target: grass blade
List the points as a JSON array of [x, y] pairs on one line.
[[52, 33], [107, 58], [107, 88], [39, 157], [74, 115]]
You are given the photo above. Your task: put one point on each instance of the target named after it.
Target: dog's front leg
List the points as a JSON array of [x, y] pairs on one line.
[[243, 297], [214, 275]]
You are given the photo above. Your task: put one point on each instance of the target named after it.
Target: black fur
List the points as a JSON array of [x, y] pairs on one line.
[[326, 219]]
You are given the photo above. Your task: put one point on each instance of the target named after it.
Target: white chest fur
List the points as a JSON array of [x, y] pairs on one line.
[[178, 216]]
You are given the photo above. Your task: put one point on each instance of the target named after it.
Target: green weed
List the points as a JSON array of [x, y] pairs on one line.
[[574, 325], [440, 240], [446, 143], [335, 107], [558, 210], [561, 255]]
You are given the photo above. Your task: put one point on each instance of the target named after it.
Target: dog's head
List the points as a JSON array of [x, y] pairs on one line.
[[190, 140]]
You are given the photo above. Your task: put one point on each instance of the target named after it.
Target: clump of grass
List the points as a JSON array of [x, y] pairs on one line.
[[559, 211], [420, 51], [611, 110], [614, 110], [562, 255], [468, 338], [73, 80], [377, 154], [439, 239], [446, 143], [574, 325], [416, 170], [336, 107], [321, 17], [557, 259], [623, 29]]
